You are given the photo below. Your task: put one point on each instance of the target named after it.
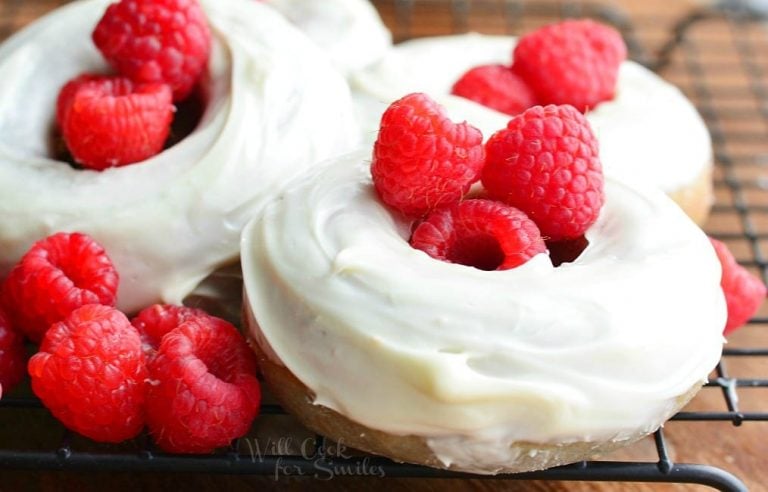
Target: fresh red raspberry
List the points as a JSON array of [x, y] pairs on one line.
[[421, 159], [496, 87], [164, 41], [90, 373], [13, 357], [573, 62], [546, 164], [480, 233], [744, 293], [56, 276], [203, 390], [110, 121]]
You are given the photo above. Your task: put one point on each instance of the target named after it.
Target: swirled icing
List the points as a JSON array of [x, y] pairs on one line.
[[472, 361], [275, 108], [649, 132]]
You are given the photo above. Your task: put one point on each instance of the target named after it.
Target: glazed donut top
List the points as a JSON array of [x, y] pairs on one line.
[[349, 31], [473, 360], [171, 220], [650, 132]]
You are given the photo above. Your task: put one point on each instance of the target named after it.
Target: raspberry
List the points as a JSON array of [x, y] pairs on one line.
[[110, 121], [546, 164], [573, 62], [90, 373], [154, 322], [421, 159], [744, 293], [480, 233], [13, 357], [156, 41], [56, 276], [496, 87], [204, 392]]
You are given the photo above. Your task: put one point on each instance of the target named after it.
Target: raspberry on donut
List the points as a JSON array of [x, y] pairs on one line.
[[481, 233], [546, 164], [56, 276], [421, 159], [157, 41], [497, 87], [111, 121], [573, 62]]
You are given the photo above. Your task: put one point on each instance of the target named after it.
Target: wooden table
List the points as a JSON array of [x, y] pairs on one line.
[[722, 64]]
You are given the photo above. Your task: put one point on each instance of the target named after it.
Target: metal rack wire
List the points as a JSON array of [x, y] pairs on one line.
[[740, 218]]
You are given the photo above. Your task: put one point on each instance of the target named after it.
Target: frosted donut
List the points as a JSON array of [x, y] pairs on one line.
[[370, 341], [171, 220], [350, 32], [650, 133]]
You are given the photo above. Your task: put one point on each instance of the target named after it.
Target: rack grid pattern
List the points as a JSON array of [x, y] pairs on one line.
[[734, 39]]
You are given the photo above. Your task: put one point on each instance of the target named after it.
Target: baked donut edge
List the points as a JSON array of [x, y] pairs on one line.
[[298, 400]]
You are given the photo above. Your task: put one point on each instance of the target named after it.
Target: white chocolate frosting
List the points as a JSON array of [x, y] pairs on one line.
[[592, 350], [350, 32], [276, 107], [649, 132]]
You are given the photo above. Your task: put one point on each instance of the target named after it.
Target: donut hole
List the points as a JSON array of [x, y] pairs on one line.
[[188, 114], [481, 251], [566, 251], [58, 148]]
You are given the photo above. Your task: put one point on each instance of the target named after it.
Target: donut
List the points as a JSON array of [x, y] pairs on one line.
[[372, 342], [650, 133], [170, 221], [350, 32]]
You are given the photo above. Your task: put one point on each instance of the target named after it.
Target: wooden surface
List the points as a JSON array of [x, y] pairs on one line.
[[734, 94]]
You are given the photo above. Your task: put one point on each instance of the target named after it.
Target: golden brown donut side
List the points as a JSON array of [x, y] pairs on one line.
[[297, 400], [697, 197]]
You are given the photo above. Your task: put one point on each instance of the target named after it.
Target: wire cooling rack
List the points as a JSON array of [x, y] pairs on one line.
[[718, 56]]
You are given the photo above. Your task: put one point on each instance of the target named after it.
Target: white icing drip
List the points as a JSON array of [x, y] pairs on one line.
[[596, 349], [650, 132], [276, 107]]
